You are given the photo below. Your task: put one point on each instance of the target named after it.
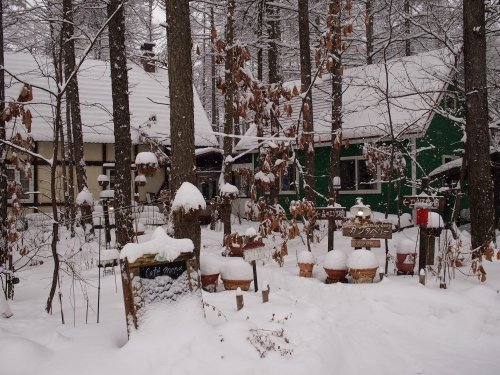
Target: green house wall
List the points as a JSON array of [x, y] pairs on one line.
[[443, 137]]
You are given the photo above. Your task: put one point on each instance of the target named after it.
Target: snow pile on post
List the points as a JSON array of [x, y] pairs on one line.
[[146, 158], [188, 198], [85, 198], [161, 244], [228, 190]]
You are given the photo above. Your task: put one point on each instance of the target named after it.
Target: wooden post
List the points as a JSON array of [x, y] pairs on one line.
[[422, 276], [255, 284], [239, 299], [265, 293]]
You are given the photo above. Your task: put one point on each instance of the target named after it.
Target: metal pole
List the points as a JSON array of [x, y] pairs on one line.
[[99, 271]]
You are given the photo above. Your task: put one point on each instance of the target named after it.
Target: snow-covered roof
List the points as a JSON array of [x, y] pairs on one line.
[[149, 109], [416, 84]]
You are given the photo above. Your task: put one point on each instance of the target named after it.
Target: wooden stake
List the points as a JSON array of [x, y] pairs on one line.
[[239, 299], [265, 293], [422, 277]]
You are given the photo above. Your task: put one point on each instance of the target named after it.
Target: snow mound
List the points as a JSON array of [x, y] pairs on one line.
[[228, 190], [188, 198], [20, 355], [335, 260], [362, 259], [306, 257], [250, 232], [237, 269], [166, 247]]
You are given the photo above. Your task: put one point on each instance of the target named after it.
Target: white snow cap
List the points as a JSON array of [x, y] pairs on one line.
[[161, 243], [146, 158], [107, 194], [306, 257], [209, 265], [140, 178], [102, 178], [188, 198], [335, 260], [237, 269], [362, 259], [250, 232], [406, 246], [85, 197], [435, 220], [228, 190]]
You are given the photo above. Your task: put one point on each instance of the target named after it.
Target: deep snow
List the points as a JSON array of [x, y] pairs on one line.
[[393, 326]]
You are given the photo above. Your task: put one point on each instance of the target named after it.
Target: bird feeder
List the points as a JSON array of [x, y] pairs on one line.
[[147, 163], [103, 180]]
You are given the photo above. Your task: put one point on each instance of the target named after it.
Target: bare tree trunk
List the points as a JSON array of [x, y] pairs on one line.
[[274, 34], [212, 63], [336, 74], [369, 31], [307, 107], [121, 121], [3, 154], [71, 170], [407, 12], [180, 77], [228, 110], [261, 8], [478, 158], [73, 101]]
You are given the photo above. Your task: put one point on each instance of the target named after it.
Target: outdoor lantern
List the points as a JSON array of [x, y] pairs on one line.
[[422, 217], [103, 180], [336, 183], [360, 210]]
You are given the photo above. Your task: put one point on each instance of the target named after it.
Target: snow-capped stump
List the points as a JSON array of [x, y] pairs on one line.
[[147, 163], [84, 198], [362, 265], [306, 263], [335, 266], [237, 273], [228, 191], [160, 270], [188, 200]]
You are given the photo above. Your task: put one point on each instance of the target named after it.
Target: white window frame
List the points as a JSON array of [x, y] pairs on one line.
[[296, 179], [108, 167], [17, 177], [377, 182]]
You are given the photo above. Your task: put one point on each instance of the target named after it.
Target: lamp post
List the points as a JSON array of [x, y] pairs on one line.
[[336, 185], [361, 213]]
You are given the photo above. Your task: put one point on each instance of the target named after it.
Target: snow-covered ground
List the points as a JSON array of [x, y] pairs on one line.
[[393, 326]]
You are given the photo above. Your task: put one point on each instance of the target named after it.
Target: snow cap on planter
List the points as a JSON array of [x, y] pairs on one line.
[[335, 260], [362, 259], [237, 269], [188, 199], [147, 163], [306, 257], [405, 246], [209, 265]]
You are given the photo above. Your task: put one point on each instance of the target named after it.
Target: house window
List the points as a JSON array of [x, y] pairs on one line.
[[355, 177], [110, 171], [20, 177], [288, 179]]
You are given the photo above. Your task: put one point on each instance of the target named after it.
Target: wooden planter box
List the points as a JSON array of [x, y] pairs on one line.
[[363, 275], [235, 284], [306, 269], [335, 276]]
